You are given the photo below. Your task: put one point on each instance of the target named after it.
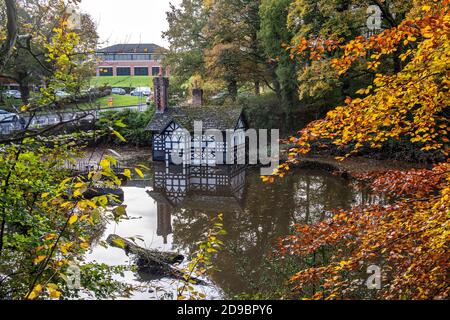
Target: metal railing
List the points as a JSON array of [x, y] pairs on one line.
[[85, 166], [40, 121]]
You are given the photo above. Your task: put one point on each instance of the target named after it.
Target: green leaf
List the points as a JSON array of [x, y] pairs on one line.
[[119, 123], [119, 212]]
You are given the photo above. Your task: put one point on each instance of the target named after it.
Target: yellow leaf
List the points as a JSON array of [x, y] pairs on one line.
[[53, 291], [50, 236], [35, 293], [105, 164], [84, 245], [139, 172], [119, 242], [73, 219], [39, 259], [127, 173], [118, 135], [79, 184]]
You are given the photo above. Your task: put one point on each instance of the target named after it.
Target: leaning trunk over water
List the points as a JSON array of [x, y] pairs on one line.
[[152, 262], [145, 256]]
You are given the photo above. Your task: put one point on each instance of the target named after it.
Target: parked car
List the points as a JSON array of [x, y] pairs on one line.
[[6, 116], [12, 94], [118, 91], [141, 91], [220, 97], [61, 94]]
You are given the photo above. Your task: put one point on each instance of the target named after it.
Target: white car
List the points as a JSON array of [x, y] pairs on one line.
[[12, 94], [61, 94], [119, 91], [6, 116], [141, 91]]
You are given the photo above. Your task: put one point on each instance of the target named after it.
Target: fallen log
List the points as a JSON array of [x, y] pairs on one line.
[[145, 256], [151, 262]]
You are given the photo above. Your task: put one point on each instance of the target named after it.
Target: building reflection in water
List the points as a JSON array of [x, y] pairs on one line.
[[214, 187], [256, 214]]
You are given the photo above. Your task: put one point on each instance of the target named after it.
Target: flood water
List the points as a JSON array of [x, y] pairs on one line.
[[172, 208]]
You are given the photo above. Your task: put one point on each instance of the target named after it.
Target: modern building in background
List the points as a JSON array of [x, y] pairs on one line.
[[131, 60]]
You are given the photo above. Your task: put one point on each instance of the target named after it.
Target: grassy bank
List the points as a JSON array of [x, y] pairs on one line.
[[120, 101], [122, 81]]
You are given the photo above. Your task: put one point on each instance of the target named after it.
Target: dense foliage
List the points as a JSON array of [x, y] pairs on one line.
[[47, 219], [133, 128], [29, 64], [407, 238]]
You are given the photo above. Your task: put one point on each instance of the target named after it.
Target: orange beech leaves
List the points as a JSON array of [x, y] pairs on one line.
[[409, 237], [409, 103]]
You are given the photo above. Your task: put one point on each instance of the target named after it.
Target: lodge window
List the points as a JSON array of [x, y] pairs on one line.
[[105, 71], [155, 71], [123, 71], [158, 143], [141, 71]]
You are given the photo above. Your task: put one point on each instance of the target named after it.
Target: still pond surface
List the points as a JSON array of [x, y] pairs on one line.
[[172, 208]]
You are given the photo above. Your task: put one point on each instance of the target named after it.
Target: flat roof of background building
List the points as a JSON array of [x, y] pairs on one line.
[[133, 48]]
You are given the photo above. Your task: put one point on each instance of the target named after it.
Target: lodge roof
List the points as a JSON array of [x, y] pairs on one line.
[[132, 48], [213, 117]]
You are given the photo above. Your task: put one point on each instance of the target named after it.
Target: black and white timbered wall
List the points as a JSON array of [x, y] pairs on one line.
[[204, 150]]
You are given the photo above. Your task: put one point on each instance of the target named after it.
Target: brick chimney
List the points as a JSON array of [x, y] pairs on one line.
[[161, 93], [197, 97]]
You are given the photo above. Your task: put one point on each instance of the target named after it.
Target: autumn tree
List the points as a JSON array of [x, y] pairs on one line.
[[27, 64], [47, 222], [186, 39], [234, 54], [340, 21], [273, 35], [407, 238], [217, 42]]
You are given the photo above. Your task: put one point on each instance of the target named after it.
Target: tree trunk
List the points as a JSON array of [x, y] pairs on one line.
[[24, 87], [232, 89], [145, 256], [153, 263], [257, 88], [12, 32]]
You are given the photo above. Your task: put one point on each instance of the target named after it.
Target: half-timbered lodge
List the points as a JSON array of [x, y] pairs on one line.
[[170, 125]]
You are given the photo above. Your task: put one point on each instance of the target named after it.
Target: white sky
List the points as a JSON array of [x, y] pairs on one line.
[[129, 21]]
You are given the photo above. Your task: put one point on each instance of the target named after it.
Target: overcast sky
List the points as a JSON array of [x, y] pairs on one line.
[[129, 21]]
